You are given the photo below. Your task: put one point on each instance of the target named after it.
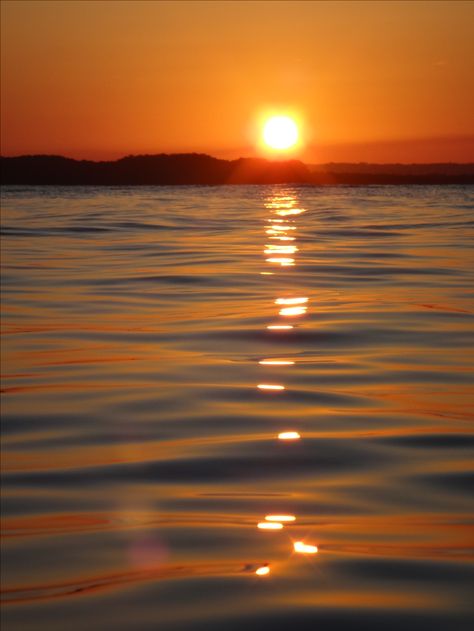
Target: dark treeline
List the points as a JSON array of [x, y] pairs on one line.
[[193, 168]]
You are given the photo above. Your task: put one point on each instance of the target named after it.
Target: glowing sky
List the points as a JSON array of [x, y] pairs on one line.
[[373, 81]]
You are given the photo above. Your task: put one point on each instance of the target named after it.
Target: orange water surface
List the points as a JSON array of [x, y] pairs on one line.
[[237, 407]]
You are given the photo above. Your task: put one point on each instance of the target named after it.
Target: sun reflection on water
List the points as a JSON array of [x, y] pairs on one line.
[[289, 436], [280, 237], [291, 306], [276, 362], [293, 311], [280, 518], [283, 228], [291, 211], [263, 571], [269, 525], [280, 249], [303, 548], [283, 261], [291, 301]]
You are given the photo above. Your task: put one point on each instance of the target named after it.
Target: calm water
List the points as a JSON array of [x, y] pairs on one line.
[[140, 453]]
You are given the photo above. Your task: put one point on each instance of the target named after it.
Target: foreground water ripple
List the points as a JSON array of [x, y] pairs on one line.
[[234, 407]]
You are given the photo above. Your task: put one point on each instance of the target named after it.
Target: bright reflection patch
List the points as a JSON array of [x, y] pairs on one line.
[[268, 386], [280, 249], [283, 250], [283, 228], [277, 327], [280, 518], [281, 202], [289, 436], [276, 362], [291, 301], [292, 311], [291, 211], [269, 525], [262, 571], [303, 548], [281, 260]]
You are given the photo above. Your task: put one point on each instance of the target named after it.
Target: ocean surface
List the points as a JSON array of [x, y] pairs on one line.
[[181, 365]]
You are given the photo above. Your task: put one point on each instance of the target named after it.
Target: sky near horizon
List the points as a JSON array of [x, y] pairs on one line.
[[366, 81]]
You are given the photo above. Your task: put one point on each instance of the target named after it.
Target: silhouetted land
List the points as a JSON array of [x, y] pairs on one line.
[[193, 168]]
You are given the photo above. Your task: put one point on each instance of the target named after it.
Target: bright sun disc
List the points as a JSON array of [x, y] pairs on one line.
[[280, 132]]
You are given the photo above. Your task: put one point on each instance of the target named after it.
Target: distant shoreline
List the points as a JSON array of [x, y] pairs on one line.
[[202, 169]]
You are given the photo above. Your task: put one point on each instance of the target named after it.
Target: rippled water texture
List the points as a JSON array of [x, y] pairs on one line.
[[182, 363]]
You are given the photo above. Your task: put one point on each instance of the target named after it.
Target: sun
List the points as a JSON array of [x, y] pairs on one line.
[[280, 133]]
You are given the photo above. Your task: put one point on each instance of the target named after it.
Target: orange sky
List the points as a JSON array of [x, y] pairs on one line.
[[368, 81]]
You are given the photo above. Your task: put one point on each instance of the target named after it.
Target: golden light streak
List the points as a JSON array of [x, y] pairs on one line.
[[293, 311], [280, 518], [276, 327], [282, 249], [291, 301], [283, 228], [291, 211], [281, 260], [276, 362], [269, 386], [303, 548], [269, 525], [284, 253], [278, 246], [289, 436], [281, 202], [263, 571], [281, 238]]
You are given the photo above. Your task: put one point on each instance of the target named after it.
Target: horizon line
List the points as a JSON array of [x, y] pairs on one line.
[[323, 152], [203, 153]]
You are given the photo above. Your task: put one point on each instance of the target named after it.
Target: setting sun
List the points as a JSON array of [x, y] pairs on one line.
[[280, 132]]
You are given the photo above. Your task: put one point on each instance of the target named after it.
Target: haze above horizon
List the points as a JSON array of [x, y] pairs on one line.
[[366, 82]]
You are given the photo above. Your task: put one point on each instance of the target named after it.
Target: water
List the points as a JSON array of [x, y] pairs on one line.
[[139, 453]]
